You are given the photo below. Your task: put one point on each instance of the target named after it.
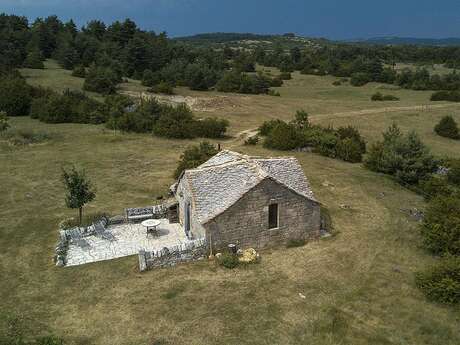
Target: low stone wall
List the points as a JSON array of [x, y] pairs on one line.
[[186, 252]]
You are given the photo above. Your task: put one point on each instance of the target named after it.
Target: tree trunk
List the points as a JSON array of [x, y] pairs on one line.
[[80, 212]]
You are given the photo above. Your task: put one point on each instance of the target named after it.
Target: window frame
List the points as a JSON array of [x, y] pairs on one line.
[[277, 216]]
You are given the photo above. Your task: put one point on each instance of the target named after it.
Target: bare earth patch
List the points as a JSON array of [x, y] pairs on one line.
[[205, 104]]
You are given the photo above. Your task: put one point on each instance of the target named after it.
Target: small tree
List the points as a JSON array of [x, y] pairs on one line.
[[301, 119], [79, 190], [447, 127], [4, 125]]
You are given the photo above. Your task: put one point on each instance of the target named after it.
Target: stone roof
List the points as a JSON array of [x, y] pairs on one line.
[[221, 181]]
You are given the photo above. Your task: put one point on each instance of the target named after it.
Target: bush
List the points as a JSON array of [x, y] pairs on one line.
[[15, 96], [34, 60], [150, 78], [453, 175], [447, 128], [100, 79], [79, 71], [293, 243], [176, 122], [390, 98], [267, 126], [283, 137], [441, 226], [441, 283], [162, 87], [211, 128], [360, 79], [435, 186], [273, 93], [194, 156], [228, 260], [26, 137], [254, 140], [379, 97], [349, 150], [451, 96], [70, 107], [403, 156], [4, 125]]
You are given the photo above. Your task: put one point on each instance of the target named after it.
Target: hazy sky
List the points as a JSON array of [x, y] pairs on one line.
[[336, 19]]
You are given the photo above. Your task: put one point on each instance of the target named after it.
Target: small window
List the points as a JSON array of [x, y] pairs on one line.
[[273, 216]]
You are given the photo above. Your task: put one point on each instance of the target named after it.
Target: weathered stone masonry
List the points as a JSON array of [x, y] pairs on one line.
[[246, 222]]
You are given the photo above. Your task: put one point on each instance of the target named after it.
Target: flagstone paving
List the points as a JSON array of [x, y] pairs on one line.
[[123, 240]]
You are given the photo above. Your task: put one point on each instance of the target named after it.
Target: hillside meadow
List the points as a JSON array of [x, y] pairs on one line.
[[359, 283]]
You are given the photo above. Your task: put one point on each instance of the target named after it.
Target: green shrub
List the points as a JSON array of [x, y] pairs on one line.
[[175, 122], [70, 107], [451, 96], [453, 176], [441, 283], [283, 137], [352, 133], [268, 126], [211, 128], [163, 87], [4, 125], [447, 128], [194, 156], [390, 98], [15, 96], [379, 97], [150, 78], [349, 150], [34, 60], [101, 79], [441, 226], [327, 144], [360, 79], [26, 137], [293, 243], [403, 156], [273, 93], [228, 260], [434, 186], [79, 71]]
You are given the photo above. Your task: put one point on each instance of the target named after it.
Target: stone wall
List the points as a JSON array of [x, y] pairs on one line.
[[186, 252], [246, 222]]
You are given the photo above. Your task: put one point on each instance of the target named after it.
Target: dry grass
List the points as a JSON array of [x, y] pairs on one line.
[[358, 285]]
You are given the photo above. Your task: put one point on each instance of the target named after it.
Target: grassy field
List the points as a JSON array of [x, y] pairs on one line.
[[359, 284]]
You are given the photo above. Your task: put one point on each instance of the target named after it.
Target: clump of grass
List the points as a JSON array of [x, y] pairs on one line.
[[173, 291], [293, 243], [22, 137], [273, 93], [228, 260]]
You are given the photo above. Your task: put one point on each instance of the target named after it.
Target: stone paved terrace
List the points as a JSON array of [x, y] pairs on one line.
[[123, 240]]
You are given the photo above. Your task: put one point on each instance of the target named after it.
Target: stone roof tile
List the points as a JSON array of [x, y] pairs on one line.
[[225, 178]]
